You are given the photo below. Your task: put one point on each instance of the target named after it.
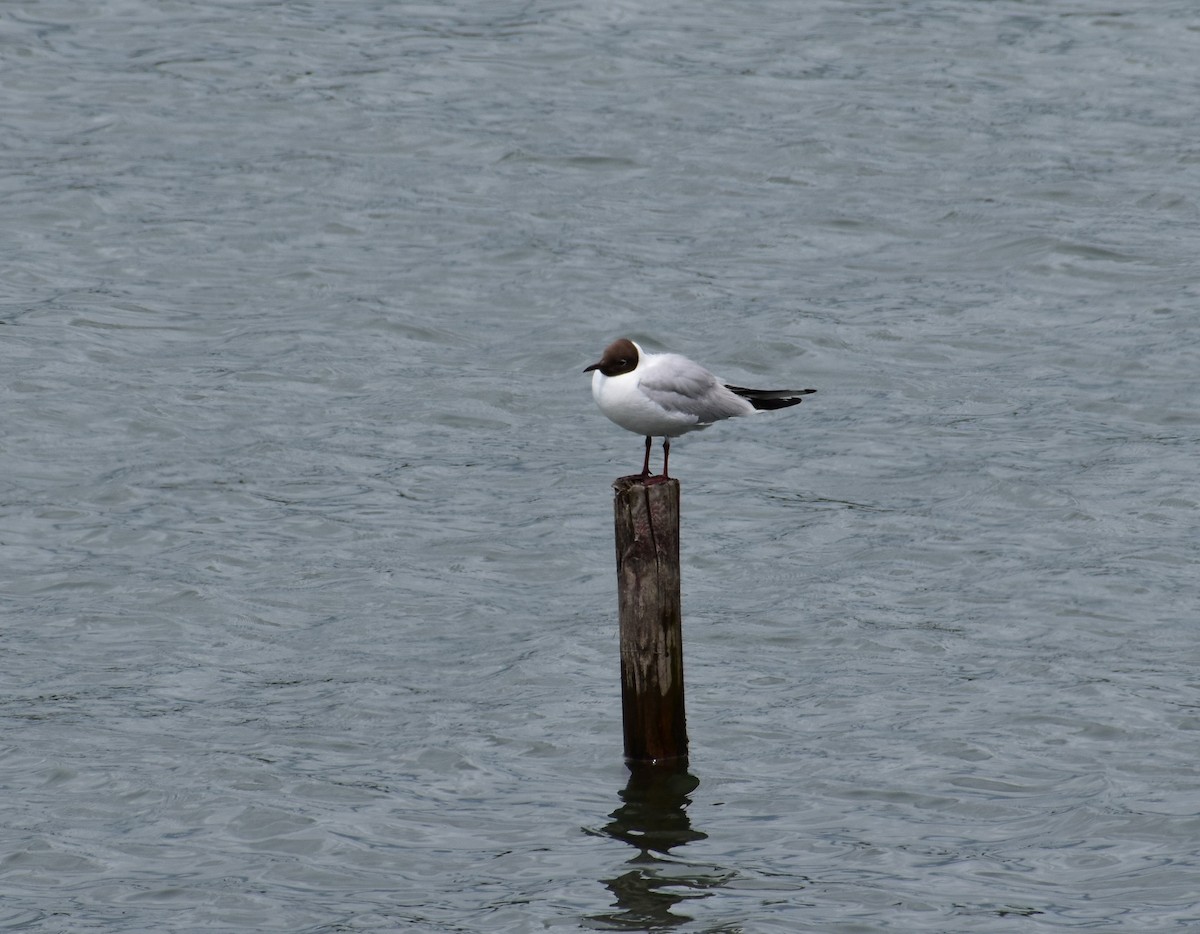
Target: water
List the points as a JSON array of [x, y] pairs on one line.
[[305, 545]]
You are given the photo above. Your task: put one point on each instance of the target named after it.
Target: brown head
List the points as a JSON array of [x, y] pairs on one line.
[[621, 356]]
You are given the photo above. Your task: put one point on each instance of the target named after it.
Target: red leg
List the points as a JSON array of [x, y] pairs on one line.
[[646, 462], [666, 456]]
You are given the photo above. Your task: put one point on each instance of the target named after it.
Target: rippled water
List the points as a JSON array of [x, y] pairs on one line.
[[305, 539]]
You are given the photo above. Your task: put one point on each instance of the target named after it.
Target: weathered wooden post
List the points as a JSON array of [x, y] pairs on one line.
[[647, 531]]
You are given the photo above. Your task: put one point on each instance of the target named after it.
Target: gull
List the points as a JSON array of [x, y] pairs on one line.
[[665, 395]]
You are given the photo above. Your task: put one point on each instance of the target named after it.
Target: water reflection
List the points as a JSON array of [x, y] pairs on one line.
[[653, 819]]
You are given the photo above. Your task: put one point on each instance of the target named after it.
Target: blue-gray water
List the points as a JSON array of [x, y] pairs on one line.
[[306, 562]]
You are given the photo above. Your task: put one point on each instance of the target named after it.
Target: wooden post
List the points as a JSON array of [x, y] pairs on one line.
[[647, 532]]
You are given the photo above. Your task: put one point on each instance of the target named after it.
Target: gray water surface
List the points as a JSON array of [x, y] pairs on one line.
[[306, 563]]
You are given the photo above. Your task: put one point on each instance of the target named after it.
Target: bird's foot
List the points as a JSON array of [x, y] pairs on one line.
[[644, 479]]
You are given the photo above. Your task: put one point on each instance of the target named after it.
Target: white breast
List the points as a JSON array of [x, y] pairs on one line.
[[620, 398]]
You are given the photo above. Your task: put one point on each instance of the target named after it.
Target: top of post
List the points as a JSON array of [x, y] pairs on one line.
[[624, 484]]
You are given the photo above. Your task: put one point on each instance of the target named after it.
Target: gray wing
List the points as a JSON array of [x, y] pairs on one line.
[[680, 385]]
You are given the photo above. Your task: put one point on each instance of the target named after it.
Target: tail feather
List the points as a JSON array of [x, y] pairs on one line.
[[770, 398]]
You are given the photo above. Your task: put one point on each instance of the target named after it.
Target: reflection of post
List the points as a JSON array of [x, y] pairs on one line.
[[647, 532], [653, 813], [653, 819]]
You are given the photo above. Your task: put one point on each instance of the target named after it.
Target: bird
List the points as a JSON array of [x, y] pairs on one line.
[[665, 395]]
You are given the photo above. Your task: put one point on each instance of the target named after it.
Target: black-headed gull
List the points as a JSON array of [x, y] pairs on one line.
[[664, 395]]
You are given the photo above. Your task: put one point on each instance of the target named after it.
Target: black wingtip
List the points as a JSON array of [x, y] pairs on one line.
[[767, 399]]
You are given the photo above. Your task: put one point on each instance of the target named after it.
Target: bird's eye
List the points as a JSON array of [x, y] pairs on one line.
[[622, 362]]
